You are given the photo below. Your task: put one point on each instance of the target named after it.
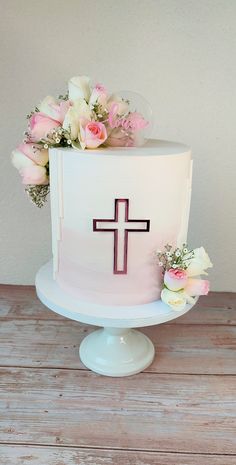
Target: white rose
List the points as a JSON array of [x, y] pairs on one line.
[[79, 109], [79, 88], [122, 105], [175, 300], [199, 263], [20, 161], [47, 106]]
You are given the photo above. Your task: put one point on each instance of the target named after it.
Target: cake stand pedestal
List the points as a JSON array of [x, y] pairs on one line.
[[117, 349]]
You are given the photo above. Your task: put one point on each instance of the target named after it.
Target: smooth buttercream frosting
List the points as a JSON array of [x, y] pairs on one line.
[[154, 181]]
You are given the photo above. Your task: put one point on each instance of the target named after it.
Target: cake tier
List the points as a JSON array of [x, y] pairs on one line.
[[112, 209]]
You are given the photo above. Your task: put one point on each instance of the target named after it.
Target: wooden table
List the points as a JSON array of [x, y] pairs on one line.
[[53, 411]]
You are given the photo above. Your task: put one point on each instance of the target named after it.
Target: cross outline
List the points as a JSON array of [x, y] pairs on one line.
[[115, 231]]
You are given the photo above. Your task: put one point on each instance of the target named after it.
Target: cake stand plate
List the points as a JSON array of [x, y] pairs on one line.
[[116, 349]]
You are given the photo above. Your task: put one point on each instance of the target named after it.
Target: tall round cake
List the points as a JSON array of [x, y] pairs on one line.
[[112, 209]]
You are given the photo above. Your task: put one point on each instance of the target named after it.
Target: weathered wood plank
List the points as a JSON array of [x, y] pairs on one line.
[[33, 455], [21, 302], [207, 316], [219, 299], [193, 349], [145, 412], [180, 348]]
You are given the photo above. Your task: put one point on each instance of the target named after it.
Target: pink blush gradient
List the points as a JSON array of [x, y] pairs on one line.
[[175, 279], [34, 174], [34, 152], [92, 134], [41, 125], [195, 287]]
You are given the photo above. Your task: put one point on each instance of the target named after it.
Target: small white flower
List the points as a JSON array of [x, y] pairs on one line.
[[168, 254], [177, 253], [185, 250], [45, 146], [160, 264], [174, 265], [58, 140], [69, 142]]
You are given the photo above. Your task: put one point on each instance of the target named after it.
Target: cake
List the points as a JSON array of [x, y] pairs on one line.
[[119, 200], [111, 209]]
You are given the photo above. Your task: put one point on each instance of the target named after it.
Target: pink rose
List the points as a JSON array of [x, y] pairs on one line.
[[55, 109], [61, 110], [99, 95], [175, 279], [196, 287], [40, 126], [34, 174], [92, 134], [34, 152]]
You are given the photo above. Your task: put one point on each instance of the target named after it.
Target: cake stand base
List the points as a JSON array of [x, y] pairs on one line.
[[117, 351]]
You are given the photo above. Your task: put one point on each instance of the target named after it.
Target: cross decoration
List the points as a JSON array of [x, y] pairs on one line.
[[121, 226]]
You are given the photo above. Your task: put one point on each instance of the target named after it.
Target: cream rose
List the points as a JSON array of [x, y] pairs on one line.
[[79, 109], [79, 87], [20, 160], [175, 300], [199, 263]]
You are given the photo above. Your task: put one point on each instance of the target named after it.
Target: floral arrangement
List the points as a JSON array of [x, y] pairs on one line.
[[85, 118], [181, 268]]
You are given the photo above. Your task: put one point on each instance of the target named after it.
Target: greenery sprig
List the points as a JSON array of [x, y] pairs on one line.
[[179, 257]]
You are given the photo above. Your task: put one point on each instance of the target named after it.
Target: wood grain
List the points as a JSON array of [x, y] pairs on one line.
[[183, 349], [53, 411], [33, 455], [21, 302], [145, 412]]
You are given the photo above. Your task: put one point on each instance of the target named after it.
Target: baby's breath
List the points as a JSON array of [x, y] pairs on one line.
[[178, 257], [38, 194], [35, 110], [64, 97]]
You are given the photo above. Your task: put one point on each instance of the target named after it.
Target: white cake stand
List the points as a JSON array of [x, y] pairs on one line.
[[116, 349]]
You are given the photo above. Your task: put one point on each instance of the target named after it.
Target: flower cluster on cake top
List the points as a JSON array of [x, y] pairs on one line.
[[85, 118], [181, 270]]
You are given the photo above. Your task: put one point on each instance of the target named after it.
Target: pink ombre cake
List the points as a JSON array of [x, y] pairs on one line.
[[112, 208]]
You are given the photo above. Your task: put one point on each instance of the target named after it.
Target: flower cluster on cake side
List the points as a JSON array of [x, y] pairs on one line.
[[181, 269], [85, 118]]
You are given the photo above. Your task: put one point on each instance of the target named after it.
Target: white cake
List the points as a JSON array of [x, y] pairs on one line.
[[112, 208]]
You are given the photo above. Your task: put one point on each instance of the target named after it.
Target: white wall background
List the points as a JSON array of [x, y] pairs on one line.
[[180, 54]]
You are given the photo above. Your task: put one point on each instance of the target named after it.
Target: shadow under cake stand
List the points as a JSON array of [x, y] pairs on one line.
[[116, 349]]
